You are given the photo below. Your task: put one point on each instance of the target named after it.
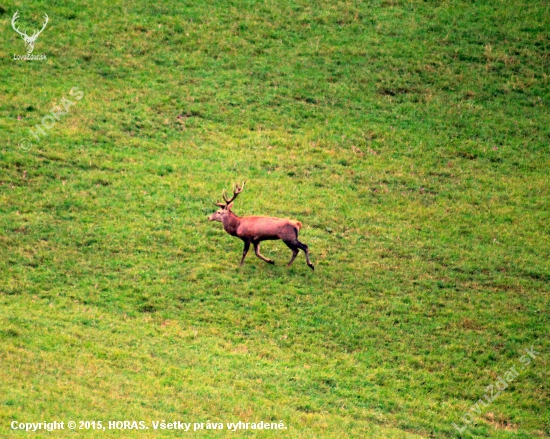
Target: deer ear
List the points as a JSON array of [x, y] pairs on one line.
[[230, 206]]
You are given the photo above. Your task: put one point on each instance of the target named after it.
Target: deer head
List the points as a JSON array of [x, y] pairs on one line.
[[29, 40], [225, 208]]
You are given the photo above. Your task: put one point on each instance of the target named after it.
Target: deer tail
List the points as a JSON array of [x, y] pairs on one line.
[[298, 224]]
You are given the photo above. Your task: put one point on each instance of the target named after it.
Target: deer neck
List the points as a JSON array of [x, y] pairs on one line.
[[231, 223]]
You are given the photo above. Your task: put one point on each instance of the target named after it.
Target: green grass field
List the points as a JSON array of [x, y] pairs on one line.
[[411, 138]]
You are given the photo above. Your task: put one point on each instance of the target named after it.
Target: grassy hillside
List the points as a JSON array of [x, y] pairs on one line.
[[409, 137]]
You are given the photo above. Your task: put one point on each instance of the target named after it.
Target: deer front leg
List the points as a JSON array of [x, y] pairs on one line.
[[257, 251], [245, 251]]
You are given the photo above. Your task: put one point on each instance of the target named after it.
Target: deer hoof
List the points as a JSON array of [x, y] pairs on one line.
[[311, 266], [271, 261]]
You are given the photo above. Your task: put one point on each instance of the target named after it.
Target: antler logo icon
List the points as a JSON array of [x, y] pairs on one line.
[[29, 40]]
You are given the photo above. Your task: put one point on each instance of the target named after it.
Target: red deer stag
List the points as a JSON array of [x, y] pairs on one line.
[[254, 229]]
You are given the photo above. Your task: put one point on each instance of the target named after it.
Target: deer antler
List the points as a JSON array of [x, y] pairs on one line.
[[236, 191], [13, 20], [43, 27]]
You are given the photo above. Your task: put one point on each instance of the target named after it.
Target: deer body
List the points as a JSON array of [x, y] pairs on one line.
[[254, 229], [260, 228]]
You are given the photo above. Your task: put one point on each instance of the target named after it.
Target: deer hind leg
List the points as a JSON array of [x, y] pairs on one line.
[[305, 248], [257, 251], [245, 251], [292, 246]]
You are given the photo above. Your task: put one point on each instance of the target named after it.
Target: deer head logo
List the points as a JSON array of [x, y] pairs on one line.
[[29, 40]]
